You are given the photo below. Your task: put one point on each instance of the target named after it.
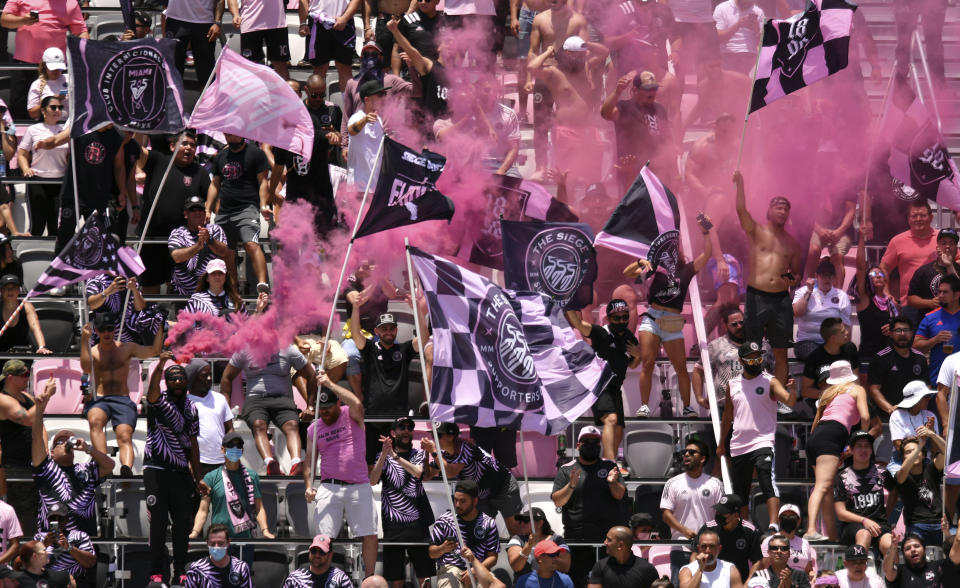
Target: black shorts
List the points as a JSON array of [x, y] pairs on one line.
[[829, 438], [848, 536], [384, 37], [742, 473], [326, 45], [159, 264], [770, 314], [499, 442], [276, 40], [609, 401], [279, 409], [394, 563]]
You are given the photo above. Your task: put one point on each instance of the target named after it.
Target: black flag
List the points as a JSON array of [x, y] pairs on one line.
[[556, 259], [126, 7], [406, 193]]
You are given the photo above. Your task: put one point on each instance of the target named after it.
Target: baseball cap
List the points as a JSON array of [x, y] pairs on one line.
[[860, 435], [323, 542], [825, 268], [14, 367], [448, 429], [403, 419], [855, 553], [749, 347], [546, 547], [789, 508], [371, 44], [216, 265], [194, 202], [231, 437], [538, 514], [325, 398], [914, 392], [61, 435], [948, 232], [372, 88], [386, 319], [617, 305], [467, 487], [641, 519], [53, 59], [7, 279], [104, 321], [645, 80], [574, 43], [728, 504], [57, 509], [588, 431]]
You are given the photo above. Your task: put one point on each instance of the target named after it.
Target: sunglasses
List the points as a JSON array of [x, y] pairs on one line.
[[61, 442], [752, 360], [552, 554], [690, 452], [318, 551], [876, 274], [403, 427], [778, 548], [55, 107], [234, 446], [736, 323]]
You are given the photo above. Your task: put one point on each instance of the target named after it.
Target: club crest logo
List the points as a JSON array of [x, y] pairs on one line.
[[89, 252], [665, 252], [801, 33], [904, 192], [95, 153], [503, 348], [232, 171], [557, 262], [133, 88], [187, 181]]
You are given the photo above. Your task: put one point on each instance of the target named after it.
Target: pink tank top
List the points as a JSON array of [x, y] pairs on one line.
[[843, 409], [342, 448]]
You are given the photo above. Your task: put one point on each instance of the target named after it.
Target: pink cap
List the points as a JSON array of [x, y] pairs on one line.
[[216, 265], [321, 541]]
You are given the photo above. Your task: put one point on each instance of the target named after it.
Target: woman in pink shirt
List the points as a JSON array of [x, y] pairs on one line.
[[839, 408]]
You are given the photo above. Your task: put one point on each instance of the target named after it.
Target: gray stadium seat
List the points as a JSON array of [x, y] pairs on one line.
[[270, 568], [34, 262], [649, 451], [299, 512], [58, 321], [132, 519]]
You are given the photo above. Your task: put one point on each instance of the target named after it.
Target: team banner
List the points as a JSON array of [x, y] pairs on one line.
[[802, 49], [131, 84], [254, 102], [556, 259], [90, 252], [503, 358], [406, 190], [919, 161], [126, 8], [647, 210]]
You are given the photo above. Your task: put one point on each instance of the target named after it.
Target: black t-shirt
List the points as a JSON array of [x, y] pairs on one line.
[[310, 180], [671, 291], [182, 184], [931, 575], [95, 154], [239, 186], [921, 498], [421, 31], [820, 358], [641, 130], [386, 377], [49, 579], [435, 89], [926, 281], [741, 546], [613, 350], [862, 491], [591, 510], [892, 372], [636, 572]]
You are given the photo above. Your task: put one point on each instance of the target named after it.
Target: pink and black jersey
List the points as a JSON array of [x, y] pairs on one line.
[[186, 274], [61, 560], [171, 426], [74, 486], [862, 491], [204, 574], [304, 578], [480, 535], [404, 506]]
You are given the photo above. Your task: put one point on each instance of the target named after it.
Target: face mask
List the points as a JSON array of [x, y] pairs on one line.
[[217, 553], [619, 329], [234, 453], [789, 525], [643, 535], [721, 519], [590, 451]]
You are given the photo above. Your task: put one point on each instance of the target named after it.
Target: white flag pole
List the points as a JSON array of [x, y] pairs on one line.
[[916, 41], [864, 199], [746, 117], [526, 484], [951, 438], [433, 425]]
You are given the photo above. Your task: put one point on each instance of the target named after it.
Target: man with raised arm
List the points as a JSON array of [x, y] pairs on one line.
[[774, 268], [109, 363]]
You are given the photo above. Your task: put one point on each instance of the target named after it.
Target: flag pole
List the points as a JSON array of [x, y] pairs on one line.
[[433, 423], [526, 483], [864, 214], [6, 325], [951, 438], [746, 117], [333, 305], [701, 331], [163, 181], [926, 70]]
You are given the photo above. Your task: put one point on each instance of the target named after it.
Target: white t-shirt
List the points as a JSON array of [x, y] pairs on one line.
[[262, 15], [461, 7], [212, 410], [698, 11], [57, 87], [948, 370], [833, 304], [868, 581], [743, 40], [333, 8], [47, 163], [692, 500], [198, 11], [719, 577], [9, 525], [363, 150], [903, 424]]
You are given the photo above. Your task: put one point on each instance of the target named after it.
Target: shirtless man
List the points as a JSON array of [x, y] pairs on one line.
[[522, 27], [774, 268], [109, 362], [714, 94], [383, 10]]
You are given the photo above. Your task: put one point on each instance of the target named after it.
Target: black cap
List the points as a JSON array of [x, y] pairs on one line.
[[403, 419], [231, 437], [57, 509], [372, 88], [855, 553], [728, 504], [826, 268], [538, 514], [448, 429], [861, 435], [7, 279], [948, 232], [326, 398], [641, 519], [824, 374], [467, 487], [749, 347], [617, 305], [194, 202], [104, 321]]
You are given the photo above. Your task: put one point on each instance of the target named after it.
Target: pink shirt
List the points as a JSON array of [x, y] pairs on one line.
[[906, 253], [342, 447], [9, 526], [842, 409], [262, 15], [691, 500], [56, 18], [754, 414]]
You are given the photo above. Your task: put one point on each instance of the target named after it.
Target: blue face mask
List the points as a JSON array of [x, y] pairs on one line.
[[217, 553], [234, 453]]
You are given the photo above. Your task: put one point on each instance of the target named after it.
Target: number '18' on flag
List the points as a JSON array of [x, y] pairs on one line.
[[802, 49]]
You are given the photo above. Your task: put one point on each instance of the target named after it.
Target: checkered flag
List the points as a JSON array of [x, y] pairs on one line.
[[919, 161], [802, 49], [503, 358]]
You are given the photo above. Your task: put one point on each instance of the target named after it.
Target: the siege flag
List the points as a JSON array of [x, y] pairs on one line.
[[406, 190], [132, 84]]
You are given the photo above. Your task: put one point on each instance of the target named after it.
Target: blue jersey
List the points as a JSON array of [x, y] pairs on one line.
[[933, 323]]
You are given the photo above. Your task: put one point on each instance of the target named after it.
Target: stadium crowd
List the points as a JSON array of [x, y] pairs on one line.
[[604, 88]]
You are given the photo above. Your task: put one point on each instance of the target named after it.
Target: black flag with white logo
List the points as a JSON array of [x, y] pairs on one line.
[[406, 191], [556, 259], [131, 84]]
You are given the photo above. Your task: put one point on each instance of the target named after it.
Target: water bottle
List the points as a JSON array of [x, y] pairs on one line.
[[3, 165], [561, 447], [84, 381]]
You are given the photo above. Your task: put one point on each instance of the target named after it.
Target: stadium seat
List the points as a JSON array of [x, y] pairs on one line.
[[132, 520], [649, 451], [270, 495], [541, 452], [136, 564], [659, 557], [270, 568], [34, 263], [66, 373], [58, 322], [23, 244], [299, 513]]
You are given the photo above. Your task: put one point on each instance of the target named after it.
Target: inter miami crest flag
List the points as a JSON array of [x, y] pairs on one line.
[[647, 210], [406, 191], [802, 49], [126, 8], [132, 84], [556, 259], [503, 358], [919, 161]]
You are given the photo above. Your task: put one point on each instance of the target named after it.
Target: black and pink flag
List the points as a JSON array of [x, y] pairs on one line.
[[91, 252], [802, 49], [131, 84], [647, 210]]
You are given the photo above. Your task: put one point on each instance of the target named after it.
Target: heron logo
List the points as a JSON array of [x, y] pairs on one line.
[[557, 261]]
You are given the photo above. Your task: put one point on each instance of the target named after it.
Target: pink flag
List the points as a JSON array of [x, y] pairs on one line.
[[252, 101]]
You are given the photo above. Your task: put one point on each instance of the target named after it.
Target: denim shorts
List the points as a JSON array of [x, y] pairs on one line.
[[523, 35], [648, 323]]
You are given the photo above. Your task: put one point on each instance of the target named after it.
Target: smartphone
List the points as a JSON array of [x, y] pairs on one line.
[[34, 15], [55, 528]]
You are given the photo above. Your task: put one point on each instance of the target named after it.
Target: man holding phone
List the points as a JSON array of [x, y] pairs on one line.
[[479, 533]]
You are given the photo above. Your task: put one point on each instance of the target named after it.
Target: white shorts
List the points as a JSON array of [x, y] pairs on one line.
[[356, 500]]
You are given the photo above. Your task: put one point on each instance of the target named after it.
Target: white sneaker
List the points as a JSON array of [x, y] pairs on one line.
[[643, 411]]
